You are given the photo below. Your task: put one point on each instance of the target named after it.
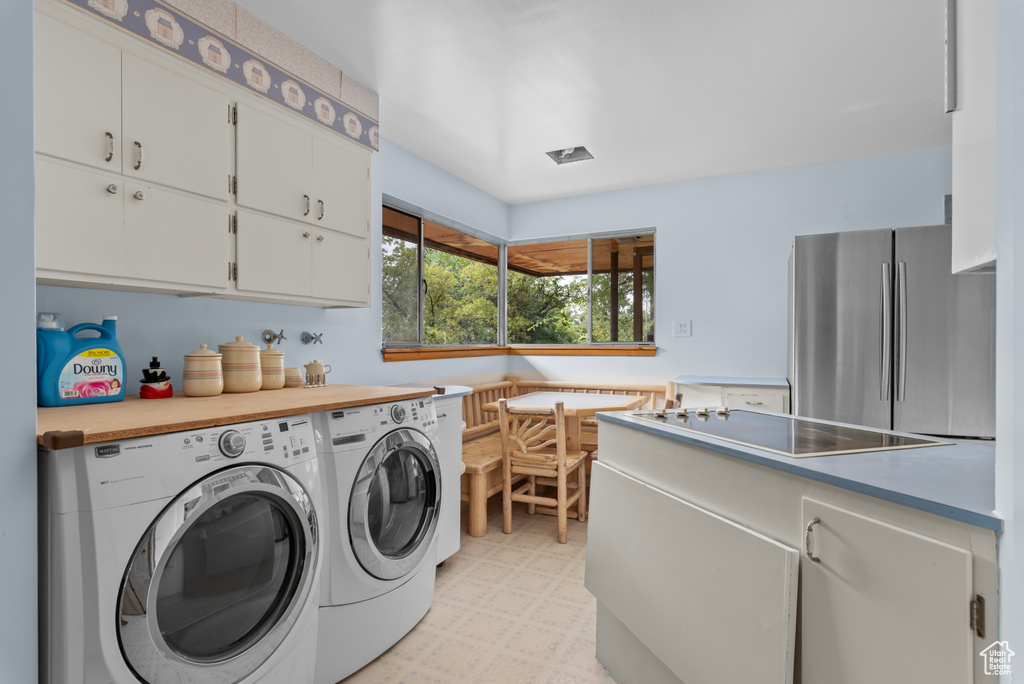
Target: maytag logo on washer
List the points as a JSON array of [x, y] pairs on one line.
[[108, 451]]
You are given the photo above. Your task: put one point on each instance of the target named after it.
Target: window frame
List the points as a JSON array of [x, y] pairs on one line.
[[405, 351]]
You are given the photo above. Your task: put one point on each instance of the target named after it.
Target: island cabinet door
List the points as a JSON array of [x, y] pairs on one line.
[[714, 601], [880, 603]]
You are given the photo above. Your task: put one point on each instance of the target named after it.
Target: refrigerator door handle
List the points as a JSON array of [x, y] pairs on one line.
[[886, 314], [901, 316]]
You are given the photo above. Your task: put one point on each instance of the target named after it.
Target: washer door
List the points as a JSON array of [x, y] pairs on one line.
[[219, 578], [394, 504]]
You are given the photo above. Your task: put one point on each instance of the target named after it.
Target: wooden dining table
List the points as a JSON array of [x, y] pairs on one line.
[[576, 405]]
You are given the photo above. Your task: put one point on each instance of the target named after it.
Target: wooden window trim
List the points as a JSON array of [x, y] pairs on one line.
[[424, 353]]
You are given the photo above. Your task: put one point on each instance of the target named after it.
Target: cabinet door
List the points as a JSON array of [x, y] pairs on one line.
[[883, 604], [715, 604], [341, 187], [78, 220], [78, 96], [175, 130], [175, 238], [272, 255], [274, 164], [340, 267]]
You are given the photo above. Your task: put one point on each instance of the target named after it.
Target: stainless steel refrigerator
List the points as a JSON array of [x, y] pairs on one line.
[[883, 334]]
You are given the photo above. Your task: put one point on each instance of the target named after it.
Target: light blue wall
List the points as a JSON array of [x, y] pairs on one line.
[[18, 418], [722, 248], [170, 327], [1010, 317]]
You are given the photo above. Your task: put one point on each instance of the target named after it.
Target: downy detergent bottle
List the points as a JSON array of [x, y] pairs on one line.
[[75, 370]]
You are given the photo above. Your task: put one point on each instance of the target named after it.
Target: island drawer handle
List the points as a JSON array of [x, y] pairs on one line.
[[807, 540]]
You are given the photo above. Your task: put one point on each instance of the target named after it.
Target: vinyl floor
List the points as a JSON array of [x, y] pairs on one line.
[[506, 609]]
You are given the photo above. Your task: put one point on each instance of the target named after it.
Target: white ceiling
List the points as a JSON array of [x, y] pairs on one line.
[[657, 90]]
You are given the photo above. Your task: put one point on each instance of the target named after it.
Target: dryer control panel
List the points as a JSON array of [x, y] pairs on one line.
[[361, 426]]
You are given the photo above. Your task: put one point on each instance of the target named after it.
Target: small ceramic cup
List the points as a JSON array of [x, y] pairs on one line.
[[292, 377]]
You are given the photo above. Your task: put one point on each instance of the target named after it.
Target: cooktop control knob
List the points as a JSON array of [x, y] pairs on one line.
[[231, 443], [398, 413]]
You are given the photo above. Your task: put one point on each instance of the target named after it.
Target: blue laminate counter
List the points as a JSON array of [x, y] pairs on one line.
[[956, 482]]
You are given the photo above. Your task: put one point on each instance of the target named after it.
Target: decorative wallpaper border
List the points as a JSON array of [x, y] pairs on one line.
[[179, 34]]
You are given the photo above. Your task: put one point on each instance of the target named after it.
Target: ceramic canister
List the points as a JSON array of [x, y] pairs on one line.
[[241, 366], [272, 364], [203, 376]]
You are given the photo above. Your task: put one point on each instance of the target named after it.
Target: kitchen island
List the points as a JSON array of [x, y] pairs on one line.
[[715, 561]]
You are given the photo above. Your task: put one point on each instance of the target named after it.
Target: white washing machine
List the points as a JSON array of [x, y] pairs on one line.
[[382, 487], [185, 557]]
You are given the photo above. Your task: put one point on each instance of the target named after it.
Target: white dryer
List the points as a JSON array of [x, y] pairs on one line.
[[185, 557], [382, 487]]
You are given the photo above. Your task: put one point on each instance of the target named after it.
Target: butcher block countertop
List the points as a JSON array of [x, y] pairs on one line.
[[63, 427]]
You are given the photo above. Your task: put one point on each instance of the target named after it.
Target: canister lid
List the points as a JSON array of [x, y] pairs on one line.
[[201, 352], [238, 345], [270, 351]]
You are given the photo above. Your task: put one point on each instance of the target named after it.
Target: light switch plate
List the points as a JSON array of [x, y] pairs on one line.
[[681, 328]]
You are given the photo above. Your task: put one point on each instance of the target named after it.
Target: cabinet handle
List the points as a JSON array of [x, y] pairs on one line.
[[807, 540], [755, 403], [138, 155], [306, 234], [110, 146], [139, 195], [322, 210], [112, 189], [319, 238], [306, 198], [442, 415]]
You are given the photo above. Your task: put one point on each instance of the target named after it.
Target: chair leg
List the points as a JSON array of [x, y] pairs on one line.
[[563, 527], [506, 499], [581, 503], [531, 508]]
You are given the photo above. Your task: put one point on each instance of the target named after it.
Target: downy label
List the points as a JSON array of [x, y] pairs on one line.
[[93, 373]]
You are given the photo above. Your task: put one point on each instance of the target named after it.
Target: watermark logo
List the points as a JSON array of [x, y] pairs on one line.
[[997, 658]]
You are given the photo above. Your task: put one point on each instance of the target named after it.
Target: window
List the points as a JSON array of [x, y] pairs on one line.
[[447, 286], [441, 276]]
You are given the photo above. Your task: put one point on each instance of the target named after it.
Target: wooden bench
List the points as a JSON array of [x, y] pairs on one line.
[[481, 439]]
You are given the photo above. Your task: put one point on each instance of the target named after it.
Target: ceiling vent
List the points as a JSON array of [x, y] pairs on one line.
[[570, 154]]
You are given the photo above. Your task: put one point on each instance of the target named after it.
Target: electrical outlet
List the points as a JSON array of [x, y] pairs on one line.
[[681, 328]]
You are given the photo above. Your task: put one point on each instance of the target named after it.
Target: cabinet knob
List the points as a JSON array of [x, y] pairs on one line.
[[138, 155], [306, 234], [319, 238], [110, 146], [112, 189], [306, 212], [139, 195]]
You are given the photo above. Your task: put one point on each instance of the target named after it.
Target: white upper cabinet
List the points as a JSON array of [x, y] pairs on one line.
[[275, 168], [299, 173], [78, 96], [974, 123], [175, 131]]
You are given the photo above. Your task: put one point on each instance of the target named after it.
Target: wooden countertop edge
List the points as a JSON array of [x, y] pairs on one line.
[[64, 427]]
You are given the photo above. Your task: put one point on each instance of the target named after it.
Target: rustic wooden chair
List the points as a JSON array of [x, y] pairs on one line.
[[535, 447]]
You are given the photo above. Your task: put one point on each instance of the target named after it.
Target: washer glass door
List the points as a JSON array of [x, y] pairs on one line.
[[220, 577], [394, 504]]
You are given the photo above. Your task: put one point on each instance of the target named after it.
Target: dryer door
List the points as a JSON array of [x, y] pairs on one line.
[[394, 504], [219, 578]]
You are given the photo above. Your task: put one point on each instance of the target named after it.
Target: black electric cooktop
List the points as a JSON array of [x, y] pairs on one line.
[[791, 436]]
